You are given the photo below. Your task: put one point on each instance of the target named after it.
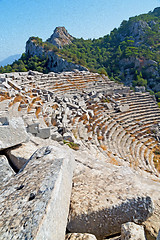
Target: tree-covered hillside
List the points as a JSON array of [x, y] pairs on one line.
[[136, 39], [129, 54]]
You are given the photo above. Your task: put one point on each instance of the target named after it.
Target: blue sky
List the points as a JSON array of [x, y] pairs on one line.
[[20, 19]]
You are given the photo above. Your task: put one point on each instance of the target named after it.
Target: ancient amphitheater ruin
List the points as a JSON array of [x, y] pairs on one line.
[[101, 132]]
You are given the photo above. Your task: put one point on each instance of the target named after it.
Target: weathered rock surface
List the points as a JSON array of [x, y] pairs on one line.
[[60, 37], [5, 170], [132, 231], [55, 63], [40, 195], [105, 196], [13, 155], [12, 133], [158, 237], [80, 236]]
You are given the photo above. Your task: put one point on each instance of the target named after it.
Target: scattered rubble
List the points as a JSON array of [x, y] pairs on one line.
[[113, 134]]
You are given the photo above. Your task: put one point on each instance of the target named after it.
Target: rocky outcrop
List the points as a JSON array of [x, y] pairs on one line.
[[12, 132], [137, 31], [150, 70], [40, 195], [60, 37], [55, 63]]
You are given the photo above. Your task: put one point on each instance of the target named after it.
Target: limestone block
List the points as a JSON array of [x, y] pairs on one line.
[[13, 84], [12, 75], [72, 105], [33, 128], [123, 108], [44, 133], [67, 137], [5, 170], [12, 134], [140, 89], [2, 77], [4, 121], [80, 236], [108, 105], [56, 137], [132, 231], [35, 202]]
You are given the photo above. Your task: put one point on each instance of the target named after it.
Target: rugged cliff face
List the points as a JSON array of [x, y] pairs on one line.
[[148, 67], [60, 37], [55, 63]]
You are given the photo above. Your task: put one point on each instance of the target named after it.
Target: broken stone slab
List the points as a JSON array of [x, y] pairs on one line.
[[33, 128], [140, 89], [137, 210], [56, 137], [40, 195], [14, 157], [6, 172], [80, 236], [109, 196], [132, 231], [20, 154], [12, 134], [72, 105], [43, 133], [13, 84], [12, 75], [122, 108], [108, 105], [4, 121], [68, 137], [2, 77]]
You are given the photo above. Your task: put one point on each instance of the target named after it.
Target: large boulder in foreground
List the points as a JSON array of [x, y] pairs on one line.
[[12, 132], [104, 196], [35, 202]]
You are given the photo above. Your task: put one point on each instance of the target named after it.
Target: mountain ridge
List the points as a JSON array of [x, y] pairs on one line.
[[129, 54], [10, 59]]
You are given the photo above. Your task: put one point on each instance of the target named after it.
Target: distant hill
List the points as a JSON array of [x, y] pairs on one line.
[[129, 54], [9, 60]]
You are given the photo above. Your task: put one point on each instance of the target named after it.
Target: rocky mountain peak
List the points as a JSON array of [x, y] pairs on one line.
[[156, 12], [60, 37]]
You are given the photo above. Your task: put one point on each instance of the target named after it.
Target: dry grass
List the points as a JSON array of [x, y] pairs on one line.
[[55, 106], [38, 110], [84, 117], [17, 99], [75, 132], [19, 108], [36, 99], [30, 107], [100, 137], [103, 147], [54, 122]]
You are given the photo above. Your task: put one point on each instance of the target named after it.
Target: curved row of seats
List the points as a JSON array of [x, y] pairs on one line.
[[124, 138]]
